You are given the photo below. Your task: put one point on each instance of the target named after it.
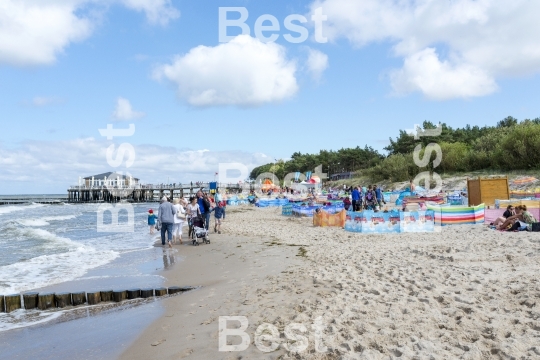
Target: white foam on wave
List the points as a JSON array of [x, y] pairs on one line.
[[33, 222], [44, 221], [59, 217], [47, 238], [54, 268], [10, 208], [21, 318]]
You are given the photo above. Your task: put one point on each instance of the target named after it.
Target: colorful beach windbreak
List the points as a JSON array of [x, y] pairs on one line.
[[370, 222], [272, 203], [324, 219], [308, 211], [458, 215]]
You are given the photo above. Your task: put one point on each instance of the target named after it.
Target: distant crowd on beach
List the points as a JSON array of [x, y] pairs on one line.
[[195, 213]]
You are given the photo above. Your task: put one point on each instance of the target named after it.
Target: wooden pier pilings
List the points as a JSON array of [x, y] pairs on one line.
[[144, 193], [45, 301]]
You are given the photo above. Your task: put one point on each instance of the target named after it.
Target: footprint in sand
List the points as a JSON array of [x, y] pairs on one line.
[[208, 321], [159, 342], [185, 353]]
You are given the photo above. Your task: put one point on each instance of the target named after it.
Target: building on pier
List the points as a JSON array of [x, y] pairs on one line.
[[109, 179]]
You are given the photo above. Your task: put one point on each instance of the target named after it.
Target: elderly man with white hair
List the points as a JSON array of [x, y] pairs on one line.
[[166, 217]]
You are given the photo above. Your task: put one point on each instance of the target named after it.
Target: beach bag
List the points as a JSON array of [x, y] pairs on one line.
[[181, 214], [536, 227]]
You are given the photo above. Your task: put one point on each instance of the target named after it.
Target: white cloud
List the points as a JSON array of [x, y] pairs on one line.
[[157, 11], [317, 63], [40, 101], [483, 40], [60, 163], [244, 72], [438, 80], [35, 32], [124, 110]]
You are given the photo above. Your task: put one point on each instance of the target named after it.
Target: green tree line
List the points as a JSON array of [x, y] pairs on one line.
[[509, 145]]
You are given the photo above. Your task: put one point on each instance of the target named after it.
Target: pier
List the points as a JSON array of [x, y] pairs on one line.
[[140, 193]]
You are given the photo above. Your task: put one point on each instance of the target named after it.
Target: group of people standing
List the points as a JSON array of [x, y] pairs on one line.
[[172, 217], [364, 198]]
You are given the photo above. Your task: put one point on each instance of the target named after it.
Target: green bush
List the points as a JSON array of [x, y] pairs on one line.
[[454, 157], [520, 148], [397, 167]]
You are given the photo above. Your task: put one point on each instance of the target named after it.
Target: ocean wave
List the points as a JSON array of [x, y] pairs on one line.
[[32, 222], [44, 221], [52, 269], [10, 208]]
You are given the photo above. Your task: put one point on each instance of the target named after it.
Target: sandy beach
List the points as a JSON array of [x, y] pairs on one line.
[[466, 292]]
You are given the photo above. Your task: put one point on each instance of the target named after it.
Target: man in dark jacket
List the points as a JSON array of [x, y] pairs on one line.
[[205, 207]]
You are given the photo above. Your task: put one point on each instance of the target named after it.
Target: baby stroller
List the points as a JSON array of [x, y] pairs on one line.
[[199, 232]]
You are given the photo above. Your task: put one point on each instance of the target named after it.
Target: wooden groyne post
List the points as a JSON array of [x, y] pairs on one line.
[[45, 301], [13, 302], [30, 300]]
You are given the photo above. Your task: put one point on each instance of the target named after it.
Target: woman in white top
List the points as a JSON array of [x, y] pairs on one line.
[[178, 221], [192, 211]]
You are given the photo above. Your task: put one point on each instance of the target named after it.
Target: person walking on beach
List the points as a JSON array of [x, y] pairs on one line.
[[207, 206], [200, 202], [167, 212], [192, 212], [178, 221], [152, 221], [219, 213]]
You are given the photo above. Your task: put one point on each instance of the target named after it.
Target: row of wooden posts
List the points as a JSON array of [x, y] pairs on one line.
[[44, 301]]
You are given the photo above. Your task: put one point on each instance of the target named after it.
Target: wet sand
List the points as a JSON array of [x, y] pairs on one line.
[[232, 271]]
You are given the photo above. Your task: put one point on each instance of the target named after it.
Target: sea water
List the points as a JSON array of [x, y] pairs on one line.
[[45, 246]]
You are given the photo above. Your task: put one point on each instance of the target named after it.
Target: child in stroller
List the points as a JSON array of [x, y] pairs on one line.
[[199, 232]]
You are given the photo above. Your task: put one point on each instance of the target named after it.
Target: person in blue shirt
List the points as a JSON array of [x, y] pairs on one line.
[[219, 213], [151, 221], [355, 198], [379, 195], [200, 201]]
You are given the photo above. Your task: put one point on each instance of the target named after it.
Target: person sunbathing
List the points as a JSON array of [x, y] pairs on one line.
[[523, 220], [510, 211]]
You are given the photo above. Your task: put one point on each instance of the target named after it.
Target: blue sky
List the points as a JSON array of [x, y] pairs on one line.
[[387, 65]]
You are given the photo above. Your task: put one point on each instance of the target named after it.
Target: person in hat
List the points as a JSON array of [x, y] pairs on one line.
[[151, 221]]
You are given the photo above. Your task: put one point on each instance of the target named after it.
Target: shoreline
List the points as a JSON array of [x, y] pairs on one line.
[[231, 271]]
